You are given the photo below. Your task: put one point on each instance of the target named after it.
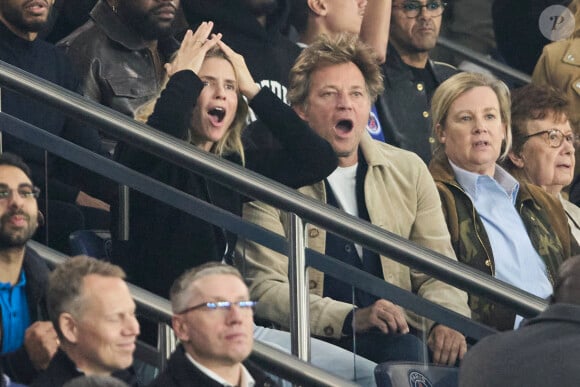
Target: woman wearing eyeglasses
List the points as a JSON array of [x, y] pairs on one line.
[[513, 231], [543, 144]]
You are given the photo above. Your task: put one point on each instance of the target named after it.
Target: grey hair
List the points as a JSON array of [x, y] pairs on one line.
[[180, 294]]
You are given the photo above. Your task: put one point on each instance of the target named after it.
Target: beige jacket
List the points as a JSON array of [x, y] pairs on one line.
[[559, 66], [400, 197]]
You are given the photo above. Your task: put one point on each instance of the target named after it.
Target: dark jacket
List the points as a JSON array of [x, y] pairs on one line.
[[269, 55], [181, 372], [61, 370], [543, 352], [164, 241], [45, 61], [17, 365], [115, 64], [542, 215], [404, 106]]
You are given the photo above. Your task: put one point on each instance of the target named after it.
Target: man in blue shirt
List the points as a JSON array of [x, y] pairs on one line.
[[27, 344]]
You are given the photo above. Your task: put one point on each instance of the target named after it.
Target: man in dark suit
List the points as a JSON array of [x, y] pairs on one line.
[[540, 353], [213, 320]]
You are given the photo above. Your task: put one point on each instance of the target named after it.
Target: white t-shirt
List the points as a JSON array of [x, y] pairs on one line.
[[343, 184]]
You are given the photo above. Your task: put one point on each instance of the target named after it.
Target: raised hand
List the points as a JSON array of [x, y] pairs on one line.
[[246, 83], [41, 343], [193, 48]]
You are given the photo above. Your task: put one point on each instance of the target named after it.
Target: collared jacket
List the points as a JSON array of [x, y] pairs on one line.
[[62, 370], [559, 67], [116, 66], [17, 365], [542, 215], [181, 372], [403, 107], [400, 197]]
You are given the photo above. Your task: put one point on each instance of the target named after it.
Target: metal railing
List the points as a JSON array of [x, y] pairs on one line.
[[159, 310], [483, 60], [247, 183]]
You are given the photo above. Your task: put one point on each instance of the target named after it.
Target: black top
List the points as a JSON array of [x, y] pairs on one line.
[[164, 242], [181, 372], [61, 370], [269, 54], [47, 62]]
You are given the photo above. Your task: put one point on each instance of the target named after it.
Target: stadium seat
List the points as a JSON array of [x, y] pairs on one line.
[[411, 374], [94, 243]]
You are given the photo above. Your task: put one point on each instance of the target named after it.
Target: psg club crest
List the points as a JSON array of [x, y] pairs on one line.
[[417, 379], [373, 126]]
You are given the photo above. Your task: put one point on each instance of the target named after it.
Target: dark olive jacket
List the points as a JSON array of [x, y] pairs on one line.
[[542, 215]]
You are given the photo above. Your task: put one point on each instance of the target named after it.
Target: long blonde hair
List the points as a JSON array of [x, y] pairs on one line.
[[231, 142]]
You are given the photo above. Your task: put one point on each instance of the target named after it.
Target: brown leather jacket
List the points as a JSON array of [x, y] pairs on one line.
[[116, 66]]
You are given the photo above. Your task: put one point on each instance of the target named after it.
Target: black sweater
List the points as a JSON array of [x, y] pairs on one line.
[[164, 242], [47, 62]]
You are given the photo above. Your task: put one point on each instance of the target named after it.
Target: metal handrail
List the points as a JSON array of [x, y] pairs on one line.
[[483, 60], [272, 359], [261, 188], [245, 229]]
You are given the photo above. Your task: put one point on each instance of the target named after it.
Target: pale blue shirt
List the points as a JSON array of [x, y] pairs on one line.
[[516, 260]]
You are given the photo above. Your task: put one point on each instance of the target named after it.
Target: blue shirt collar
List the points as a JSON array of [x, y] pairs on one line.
[[471, 181], [21, 282]]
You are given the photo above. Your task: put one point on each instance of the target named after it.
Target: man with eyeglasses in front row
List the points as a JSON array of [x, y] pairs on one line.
[[213, 319], [26, 342], [410, 76]]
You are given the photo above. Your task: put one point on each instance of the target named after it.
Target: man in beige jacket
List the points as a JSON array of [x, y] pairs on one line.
[[333, 84]]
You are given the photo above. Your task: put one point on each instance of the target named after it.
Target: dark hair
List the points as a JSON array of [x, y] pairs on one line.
[[10, 159], [298, 17], [567, 284], [534, 102]]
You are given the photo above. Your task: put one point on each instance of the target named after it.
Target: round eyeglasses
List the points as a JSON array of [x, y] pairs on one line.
[[412, 9], [554, 137]]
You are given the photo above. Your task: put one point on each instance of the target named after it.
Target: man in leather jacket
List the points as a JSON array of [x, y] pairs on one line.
[[120, 52]]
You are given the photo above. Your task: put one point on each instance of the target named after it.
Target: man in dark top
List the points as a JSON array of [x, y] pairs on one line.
[[120, 52], [93, 313], [27, 344], [213, 319], [20, 22], [410, 76]]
